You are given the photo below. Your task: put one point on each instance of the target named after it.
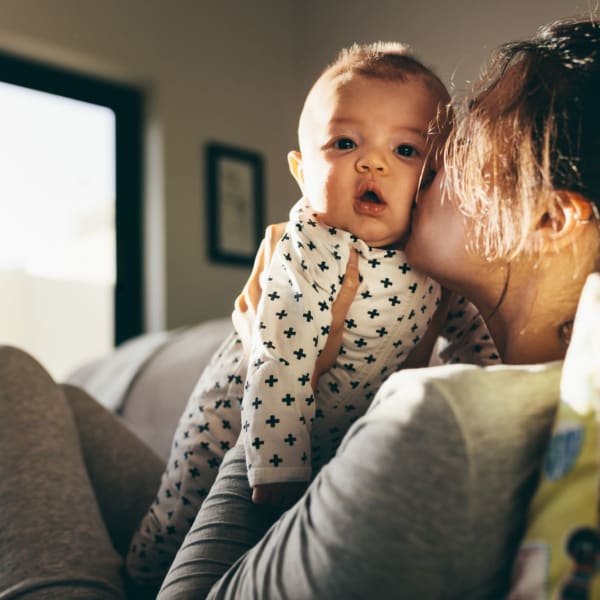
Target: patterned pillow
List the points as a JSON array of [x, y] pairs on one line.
[[560, 554]]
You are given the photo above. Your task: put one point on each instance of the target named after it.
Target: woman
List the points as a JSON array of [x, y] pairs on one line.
[[427, 495]]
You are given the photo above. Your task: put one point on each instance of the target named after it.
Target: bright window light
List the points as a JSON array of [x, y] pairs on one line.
[[57, 189], [57, 227]]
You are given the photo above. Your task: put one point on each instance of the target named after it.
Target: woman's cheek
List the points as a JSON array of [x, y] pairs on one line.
[[421, 242], [437, 241], [425, 223]]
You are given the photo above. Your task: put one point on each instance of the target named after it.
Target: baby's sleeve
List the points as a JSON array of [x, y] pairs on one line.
[[291, 329], [464, 338]]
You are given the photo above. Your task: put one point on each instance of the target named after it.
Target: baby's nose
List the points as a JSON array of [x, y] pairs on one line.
[[372, 163]]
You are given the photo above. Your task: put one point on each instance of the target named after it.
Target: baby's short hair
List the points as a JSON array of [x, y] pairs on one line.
[[390, 62], [386, 61]]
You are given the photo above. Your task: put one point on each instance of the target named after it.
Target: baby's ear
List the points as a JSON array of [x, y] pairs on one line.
[[296, 168]]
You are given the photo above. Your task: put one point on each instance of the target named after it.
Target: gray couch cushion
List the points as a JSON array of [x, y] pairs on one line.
[[160, 391], [148, 379]]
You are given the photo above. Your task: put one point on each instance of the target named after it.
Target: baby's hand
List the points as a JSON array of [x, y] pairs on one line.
[[278, 494]]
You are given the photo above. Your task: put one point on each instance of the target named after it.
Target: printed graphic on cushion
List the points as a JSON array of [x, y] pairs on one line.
[[564, 449], [583, 546], [564, 504]]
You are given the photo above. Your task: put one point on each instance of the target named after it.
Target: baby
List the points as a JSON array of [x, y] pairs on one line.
[[366, 133]]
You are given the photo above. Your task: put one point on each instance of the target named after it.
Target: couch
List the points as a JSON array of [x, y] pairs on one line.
[[147, 380]]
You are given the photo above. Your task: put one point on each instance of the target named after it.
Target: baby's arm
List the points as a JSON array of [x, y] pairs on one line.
[[246, 307], [292, 326], [246, 304], [464, 337], [420, 355]]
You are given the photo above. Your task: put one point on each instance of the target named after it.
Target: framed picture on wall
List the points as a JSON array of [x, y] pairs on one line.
[[235, 190]]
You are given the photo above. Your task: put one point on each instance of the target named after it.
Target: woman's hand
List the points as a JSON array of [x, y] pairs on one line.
[[283, 494], [339, 310], [246, 303]]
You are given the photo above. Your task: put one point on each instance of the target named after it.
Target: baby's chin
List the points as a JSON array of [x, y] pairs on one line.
[[378, 232], [394, 245], [370, 235], [382, 240]]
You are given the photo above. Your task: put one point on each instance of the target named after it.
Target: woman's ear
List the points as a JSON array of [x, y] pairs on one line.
[[296, 168], [571, 210]]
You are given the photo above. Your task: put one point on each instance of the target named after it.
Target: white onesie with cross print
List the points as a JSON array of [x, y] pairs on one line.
[[288, 431]]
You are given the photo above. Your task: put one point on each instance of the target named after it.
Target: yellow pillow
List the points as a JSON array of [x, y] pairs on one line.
[[560, 554]]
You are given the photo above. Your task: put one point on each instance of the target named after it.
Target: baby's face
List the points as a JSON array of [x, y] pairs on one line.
[[363, 146]]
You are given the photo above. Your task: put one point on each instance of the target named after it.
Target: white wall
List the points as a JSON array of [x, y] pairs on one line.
[[212, 70], [237, 71], [454, 37]]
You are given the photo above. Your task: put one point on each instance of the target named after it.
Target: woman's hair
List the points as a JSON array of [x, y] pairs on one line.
[[530, 129]]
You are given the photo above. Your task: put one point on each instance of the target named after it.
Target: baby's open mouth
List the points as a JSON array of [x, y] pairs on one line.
[[371, 196], [370, 201]]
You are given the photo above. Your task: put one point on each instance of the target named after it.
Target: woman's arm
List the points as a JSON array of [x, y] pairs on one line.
[[246, 303]]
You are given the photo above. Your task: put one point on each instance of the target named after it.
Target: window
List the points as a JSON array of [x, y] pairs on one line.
[[70, 212]]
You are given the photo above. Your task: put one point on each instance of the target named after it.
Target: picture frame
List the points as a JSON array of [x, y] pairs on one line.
[[235, 202]]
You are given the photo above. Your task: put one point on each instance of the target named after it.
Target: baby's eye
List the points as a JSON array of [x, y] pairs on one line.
[[344, 144], [406, 150]]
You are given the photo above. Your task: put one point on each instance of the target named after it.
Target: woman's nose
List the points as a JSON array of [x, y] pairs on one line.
[[372, 163]]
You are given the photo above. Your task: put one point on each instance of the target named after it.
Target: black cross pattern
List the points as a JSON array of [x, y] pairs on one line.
[[297, 322]]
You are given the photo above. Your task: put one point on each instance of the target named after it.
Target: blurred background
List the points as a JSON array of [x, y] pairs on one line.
[[171, 76]]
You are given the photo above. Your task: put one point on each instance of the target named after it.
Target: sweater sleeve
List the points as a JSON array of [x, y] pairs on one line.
[[385, 518], [291, 329]]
